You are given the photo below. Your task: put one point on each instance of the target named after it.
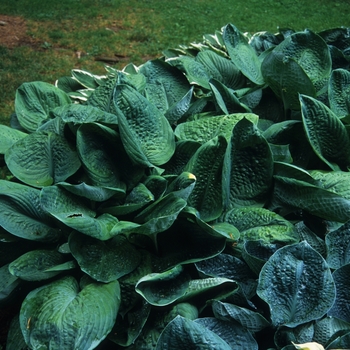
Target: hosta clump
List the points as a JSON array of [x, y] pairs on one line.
[[200, 199]]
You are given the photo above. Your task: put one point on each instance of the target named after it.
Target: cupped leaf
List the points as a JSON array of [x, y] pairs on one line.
[[206, 128], [339, 92], [286, 78], [221, 69], [242, 54], [338, 246], [325, 132], [206, 165], [248, 167], [47, 311], [80, 114], [41, 159], [297, 285], [96, 145], [38, 265], [253, 321], [76, 214], [340, 307], [145, 132], [35, 100], [87, 79], [104, 261], [261, 224], [182, 333], [232, 333], [22, 215], [164, 288], [9, 136]]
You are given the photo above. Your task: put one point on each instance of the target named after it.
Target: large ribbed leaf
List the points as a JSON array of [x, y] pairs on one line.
[[253, 321], [261, 224], [292, 194], [8, 282], [242, 54], [340, 309], [183, 334], [41, 159], [97, 149], [204, 129], [38, 265], [145, 132], [9, 136], [339, 92], [206, 165], [105, 261], [338, 246], [221, 69], [297, 284], [60, 316], [76, 214], [35, 100], [22, 215], [311, 52], [286, 78], [237, 336], [248, 167], [325, 133]]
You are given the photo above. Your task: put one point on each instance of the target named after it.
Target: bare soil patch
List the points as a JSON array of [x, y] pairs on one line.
[[13, 32]]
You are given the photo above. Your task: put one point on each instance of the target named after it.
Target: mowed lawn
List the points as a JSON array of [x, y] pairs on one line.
[[44, 40]]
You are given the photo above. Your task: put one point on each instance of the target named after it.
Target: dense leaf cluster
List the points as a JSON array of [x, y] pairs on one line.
[[200, 200]]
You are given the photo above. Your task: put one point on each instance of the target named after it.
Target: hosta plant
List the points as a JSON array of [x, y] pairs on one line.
[[200, 200]]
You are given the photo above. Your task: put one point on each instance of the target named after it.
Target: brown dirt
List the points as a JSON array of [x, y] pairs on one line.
[[13, 32]]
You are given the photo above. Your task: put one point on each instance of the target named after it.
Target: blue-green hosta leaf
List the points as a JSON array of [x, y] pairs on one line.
[[226, 99], [35, 100], [182, 334], [94, 193], [22, 215], [195, 71], [9, 136], [41, 159], [76, 214], [325, 328], [297, 284], [68, 84], [261, 224], [168, 84], [287, 79], [232, 333], [15, 340], [156, 184], [60, 316], [340, 308], [311, 52], [325, 132], [178, 109], [95, 145], [338, 246], [221, 69], [253, 321], [80, 114], [182, 186], [340, 340], [139, 196], [295, 194], [38, 265], [104, 261], [339, 92], [242, 54], [161, 289], [248, 167], [204, 129], [206, 165], [8, 283], [145, 132]]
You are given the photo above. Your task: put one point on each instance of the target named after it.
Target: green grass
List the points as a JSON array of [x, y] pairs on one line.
[[137, 30]]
